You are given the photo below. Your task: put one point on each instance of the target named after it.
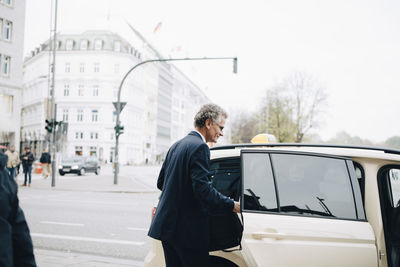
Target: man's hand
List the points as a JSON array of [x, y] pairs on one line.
[[236, 207]]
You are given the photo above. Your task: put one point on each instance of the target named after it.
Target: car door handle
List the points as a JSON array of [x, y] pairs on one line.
[[280, 236], [273, 235]]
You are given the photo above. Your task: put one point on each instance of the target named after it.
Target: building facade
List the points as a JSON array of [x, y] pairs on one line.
[[12, 20], [89, 68]]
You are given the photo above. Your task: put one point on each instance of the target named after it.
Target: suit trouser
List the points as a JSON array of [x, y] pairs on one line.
[[180, 256]]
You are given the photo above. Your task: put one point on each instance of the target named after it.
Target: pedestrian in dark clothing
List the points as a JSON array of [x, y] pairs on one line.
[[181, 218], [27, 160], [16, 247]]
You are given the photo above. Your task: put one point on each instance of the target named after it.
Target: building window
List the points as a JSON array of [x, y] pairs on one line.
[[81, 90], [116, 68], [114, 117], [112, 136], [95, 115], [5, 65], [84, 44], [117, 46], [78, 135], [78, 151], [8, 2], [67, 67], [98, 44], [96, 90], [82, 67], [69, 44], [79, 115], [7, 30], [6, 104], [94, 135], [96, 67], [93, 151], [66, 89], [65, 115]]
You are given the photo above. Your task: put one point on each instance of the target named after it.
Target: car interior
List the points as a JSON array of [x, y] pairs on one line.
[[390, 206], [225, 227]]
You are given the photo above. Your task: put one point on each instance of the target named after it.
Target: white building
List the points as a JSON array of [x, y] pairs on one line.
[[12, 20], [89, 69]]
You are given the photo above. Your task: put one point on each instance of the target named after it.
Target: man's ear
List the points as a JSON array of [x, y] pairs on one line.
[[208, 124]]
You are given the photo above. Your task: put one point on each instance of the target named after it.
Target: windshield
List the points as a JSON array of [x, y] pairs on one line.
[[73, 160]]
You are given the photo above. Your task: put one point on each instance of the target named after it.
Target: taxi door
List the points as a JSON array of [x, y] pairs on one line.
[[304, 210]]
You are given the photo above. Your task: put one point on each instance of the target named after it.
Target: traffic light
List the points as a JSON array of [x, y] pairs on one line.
[[119, 129], [235, 65], [49, 126]]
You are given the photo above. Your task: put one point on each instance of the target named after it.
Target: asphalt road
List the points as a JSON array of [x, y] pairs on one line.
[[99, 223]]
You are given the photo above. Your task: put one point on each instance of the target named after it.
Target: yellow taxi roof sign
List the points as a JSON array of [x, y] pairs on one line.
[[263, 139]]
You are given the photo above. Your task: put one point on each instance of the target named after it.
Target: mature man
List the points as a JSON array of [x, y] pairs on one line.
[[13, 161], [45, 159], [16, 247], [27, 160], [181, 219]]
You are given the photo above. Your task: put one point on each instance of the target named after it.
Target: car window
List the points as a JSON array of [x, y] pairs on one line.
[[72, 160], [314, 185], [225, 176], [394, 177], [360, 179], [258, 183]]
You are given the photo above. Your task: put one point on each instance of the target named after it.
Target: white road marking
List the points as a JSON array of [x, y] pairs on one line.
[[95, 202], [80, 238], [62, 223], [138, 229]]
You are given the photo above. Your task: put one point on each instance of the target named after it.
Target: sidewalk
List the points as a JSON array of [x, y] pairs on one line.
[[130, 181], [51, 258]]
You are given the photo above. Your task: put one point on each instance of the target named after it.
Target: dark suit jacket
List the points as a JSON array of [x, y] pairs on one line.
[[15, 241], [187, 195]]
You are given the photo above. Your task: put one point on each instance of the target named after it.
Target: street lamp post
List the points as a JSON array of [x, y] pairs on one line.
[[52, 61], [119, 107]]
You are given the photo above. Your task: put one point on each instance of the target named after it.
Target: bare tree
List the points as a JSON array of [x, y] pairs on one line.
[[276, 116], [308, 99], [289, 110], [243, 127]]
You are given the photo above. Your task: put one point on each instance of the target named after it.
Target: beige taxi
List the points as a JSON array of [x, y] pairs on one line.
[[307, 205]]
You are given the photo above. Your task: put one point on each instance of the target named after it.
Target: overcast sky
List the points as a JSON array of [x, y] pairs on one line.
[[352, 47]]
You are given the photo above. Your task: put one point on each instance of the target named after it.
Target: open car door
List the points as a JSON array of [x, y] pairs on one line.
[[303, 209]]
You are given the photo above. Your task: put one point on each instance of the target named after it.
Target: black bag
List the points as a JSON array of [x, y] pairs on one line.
[[226, 231]]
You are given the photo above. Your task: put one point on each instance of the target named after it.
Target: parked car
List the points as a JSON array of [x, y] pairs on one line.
[[307, 205], [79, 165]]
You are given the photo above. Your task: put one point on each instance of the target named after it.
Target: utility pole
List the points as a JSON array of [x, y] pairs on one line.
[[119, 106], [52, 67]]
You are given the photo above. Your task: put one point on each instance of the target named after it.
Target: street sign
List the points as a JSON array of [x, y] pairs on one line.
[[122, 105]]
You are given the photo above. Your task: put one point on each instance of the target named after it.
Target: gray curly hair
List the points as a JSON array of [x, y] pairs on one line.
[[209, 111]]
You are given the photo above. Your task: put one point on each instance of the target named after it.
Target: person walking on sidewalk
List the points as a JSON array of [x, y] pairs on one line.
[[16, 247], [27, 160], [182, 215], [45, 159], [13, 161]]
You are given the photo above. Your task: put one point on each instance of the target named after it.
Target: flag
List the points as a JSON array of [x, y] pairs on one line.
[[157, 28]]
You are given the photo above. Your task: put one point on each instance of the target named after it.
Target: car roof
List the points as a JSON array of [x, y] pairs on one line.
[[329, 149]]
